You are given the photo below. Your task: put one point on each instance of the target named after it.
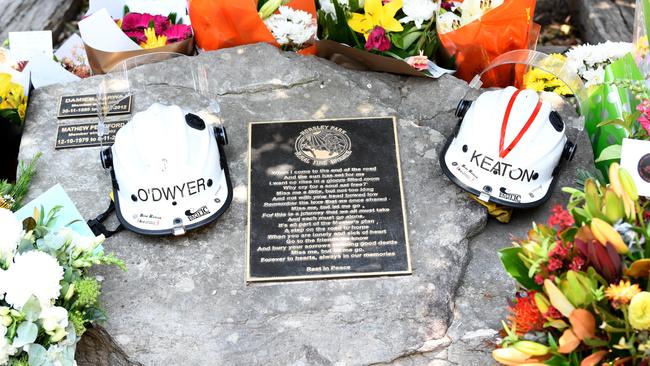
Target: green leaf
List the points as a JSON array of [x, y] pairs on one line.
[[516, 268], [32, 309], [126, 10], [25, 334], [172, 18], [36, 355], [612, 122], [595, 342], [557, 361], [611, 152], [405, 40]]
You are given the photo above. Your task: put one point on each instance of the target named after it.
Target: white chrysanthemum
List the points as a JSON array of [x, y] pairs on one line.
[[474, 9], [418, 11], [590, 61], [328, 6], [11, 230], [6, 349], [447, 22], [32, 273], [292, 27]]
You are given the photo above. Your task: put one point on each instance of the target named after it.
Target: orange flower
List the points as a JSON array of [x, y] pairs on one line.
[[525, 315], [622, 293]]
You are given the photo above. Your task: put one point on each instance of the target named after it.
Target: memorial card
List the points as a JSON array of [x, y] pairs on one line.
[[325, 200]]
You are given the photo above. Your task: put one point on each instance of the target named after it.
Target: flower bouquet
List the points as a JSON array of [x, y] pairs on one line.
[[582, 277], [112, 35], [290, 25], [475, 32], [14, 91], [47, 298], [397, 36]]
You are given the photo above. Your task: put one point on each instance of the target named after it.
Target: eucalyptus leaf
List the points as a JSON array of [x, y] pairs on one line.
[[26, 333], [32, 309], [36, 355], [611, 152]]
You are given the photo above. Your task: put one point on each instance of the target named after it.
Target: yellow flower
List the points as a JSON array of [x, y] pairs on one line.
[[622, 293], [640, 311], [153, 41], [377, 15]]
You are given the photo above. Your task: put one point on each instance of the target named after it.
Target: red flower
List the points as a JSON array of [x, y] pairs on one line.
[[377, 40], [603, 258], [137, 36], [552, 313], [524, 314], [539, 279], [561, 218]]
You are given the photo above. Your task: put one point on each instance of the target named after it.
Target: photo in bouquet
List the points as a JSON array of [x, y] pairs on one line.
[[635, 158]]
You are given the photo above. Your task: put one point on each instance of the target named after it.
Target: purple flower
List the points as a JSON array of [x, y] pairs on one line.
[[447, 5], [377, 40], [178, 32]]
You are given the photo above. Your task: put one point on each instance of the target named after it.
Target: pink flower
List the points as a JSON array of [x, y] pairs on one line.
[[377, 40], [161, 23], [139, 22], [419, 62], [178, 32], [136, 22], [137, 36], [644, 119]]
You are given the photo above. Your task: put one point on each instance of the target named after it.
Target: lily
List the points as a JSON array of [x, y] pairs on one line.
[[377, 15]]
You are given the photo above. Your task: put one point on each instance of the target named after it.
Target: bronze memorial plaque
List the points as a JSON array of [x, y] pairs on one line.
[[325, 200]]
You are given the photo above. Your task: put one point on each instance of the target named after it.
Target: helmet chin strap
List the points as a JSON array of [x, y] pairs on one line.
[[504, 125]]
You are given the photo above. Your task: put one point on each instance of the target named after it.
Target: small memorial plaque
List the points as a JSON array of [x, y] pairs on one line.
[[325, 200], [84, 134], [76, 106]]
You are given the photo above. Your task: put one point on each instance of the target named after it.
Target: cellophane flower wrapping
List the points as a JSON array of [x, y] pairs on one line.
[[505, 27], [608, 101], [225, 23]]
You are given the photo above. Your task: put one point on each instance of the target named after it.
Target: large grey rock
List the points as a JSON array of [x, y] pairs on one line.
[[184, 300], [602, 20], [26, 15]]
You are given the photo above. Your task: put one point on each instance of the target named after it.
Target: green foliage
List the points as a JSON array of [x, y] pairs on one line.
[[12, 116], [87, 292], [18, 190], [78, 321], [511, 260]]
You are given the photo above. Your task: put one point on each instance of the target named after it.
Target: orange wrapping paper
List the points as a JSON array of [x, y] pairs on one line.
[[227, 23], [505, 28]]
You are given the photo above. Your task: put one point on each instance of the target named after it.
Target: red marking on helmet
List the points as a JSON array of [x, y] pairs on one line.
[[503, 153]]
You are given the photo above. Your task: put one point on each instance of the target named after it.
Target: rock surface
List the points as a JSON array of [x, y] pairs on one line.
[[601, 20], [31, 15], [184, 300]]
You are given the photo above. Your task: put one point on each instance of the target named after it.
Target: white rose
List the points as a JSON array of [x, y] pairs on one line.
[[328, 6], [11, 230], [418, 11]]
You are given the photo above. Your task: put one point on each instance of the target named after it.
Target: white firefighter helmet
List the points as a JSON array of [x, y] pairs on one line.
[[509, 144], [169, 171]]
